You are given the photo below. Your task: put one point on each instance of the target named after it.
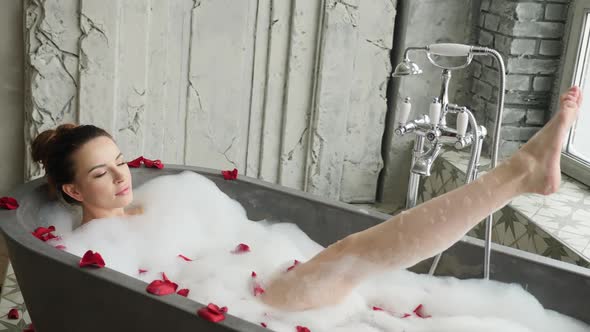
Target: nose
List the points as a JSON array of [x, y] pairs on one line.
[[118, 176]]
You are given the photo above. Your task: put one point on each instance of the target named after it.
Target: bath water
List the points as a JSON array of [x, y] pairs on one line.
[[186, 214]]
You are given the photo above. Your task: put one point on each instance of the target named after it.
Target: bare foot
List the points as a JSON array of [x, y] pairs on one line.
[[539, 158]]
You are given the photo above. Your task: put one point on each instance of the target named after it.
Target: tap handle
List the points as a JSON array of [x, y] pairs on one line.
[[404, 112], [434, 112], [462, 121]]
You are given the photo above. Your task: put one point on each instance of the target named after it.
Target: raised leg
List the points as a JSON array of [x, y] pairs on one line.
[[429, 228]]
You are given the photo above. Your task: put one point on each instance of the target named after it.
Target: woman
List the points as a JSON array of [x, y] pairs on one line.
[[87, 167]]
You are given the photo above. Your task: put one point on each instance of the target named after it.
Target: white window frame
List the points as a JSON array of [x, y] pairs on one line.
[[572, 165]]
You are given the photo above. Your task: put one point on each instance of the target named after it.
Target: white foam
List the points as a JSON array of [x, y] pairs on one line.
[[187, 214]]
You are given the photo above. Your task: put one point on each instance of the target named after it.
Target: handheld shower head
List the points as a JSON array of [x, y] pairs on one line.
[[406, 68]]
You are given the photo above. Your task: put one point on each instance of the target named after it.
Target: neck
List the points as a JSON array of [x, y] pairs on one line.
[[89, 213]]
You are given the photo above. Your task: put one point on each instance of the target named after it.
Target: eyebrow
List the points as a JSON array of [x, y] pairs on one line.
[[104, 165]]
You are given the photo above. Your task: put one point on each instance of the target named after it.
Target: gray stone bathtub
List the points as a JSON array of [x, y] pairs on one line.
[[62, 297]]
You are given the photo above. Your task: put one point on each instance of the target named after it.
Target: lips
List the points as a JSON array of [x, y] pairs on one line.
[[123, 191]]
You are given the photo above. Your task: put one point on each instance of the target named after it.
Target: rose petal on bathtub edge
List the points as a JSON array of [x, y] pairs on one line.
[[183, 292], [230, 175], [135, 163], [8, 203], [92, 259], [161, 287]]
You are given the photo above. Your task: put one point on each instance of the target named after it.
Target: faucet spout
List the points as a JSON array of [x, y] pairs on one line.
[[424, 161]]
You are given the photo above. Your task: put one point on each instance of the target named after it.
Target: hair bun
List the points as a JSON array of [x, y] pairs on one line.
[[41, 146]]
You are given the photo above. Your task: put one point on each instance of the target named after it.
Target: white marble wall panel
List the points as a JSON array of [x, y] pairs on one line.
[[51, 51], [291, 92]]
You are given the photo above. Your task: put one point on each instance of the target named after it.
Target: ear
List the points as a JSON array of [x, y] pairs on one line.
[[71, 190]]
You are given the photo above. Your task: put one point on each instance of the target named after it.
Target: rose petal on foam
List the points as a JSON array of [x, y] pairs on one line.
[[8, 203], [230, 175], [241, 248], [406, 315], [263, 324], [141, 271], [419, 311], [212, 313], [377, 309], [258, 289], [185, 258], [253, 274], [183, 292], [302, 329], [135, 163], [295, 263], [29, 328], [13, 313], [60, 247], [93, 259]]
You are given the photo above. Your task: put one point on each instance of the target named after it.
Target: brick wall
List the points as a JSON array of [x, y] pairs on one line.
[[528, 34]]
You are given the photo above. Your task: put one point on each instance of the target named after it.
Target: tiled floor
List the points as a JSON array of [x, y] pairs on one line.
[[11, 297]]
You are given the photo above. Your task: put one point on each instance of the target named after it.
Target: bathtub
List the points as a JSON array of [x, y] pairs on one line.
[[62, 297]]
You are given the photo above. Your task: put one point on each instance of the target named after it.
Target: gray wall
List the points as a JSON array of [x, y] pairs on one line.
[[529, 37], [11, 94], [11, 104]]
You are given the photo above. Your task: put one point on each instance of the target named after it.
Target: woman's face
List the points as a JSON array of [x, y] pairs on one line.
[[102, 176]]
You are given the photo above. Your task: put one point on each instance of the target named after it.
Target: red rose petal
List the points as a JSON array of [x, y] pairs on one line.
[[185, 258], [302, 329], [216, 309], [135, 163], [60, 247], [208, 315], [230, 175], [212, 313], [377, 309], [158, 164], [254, 274], [161, 287], [263, 324], [153, 163], [258, 290], [8, 203], [142, 271], [92, 259], [295, 263], [406, 315], [419, 311], [241, 248], [13, 314], [44, 234], [29, 328], [183, 292]]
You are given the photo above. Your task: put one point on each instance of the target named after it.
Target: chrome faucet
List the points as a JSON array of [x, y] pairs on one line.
[[432, 129]]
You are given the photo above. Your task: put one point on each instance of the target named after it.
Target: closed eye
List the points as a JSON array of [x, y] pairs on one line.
[[100, 175]]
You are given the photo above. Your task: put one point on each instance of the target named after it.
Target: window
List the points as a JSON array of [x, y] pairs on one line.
[[576, 71]]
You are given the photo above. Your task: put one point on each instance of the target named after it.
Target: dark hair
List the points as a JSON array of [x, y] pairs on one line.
[[54, 148]]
